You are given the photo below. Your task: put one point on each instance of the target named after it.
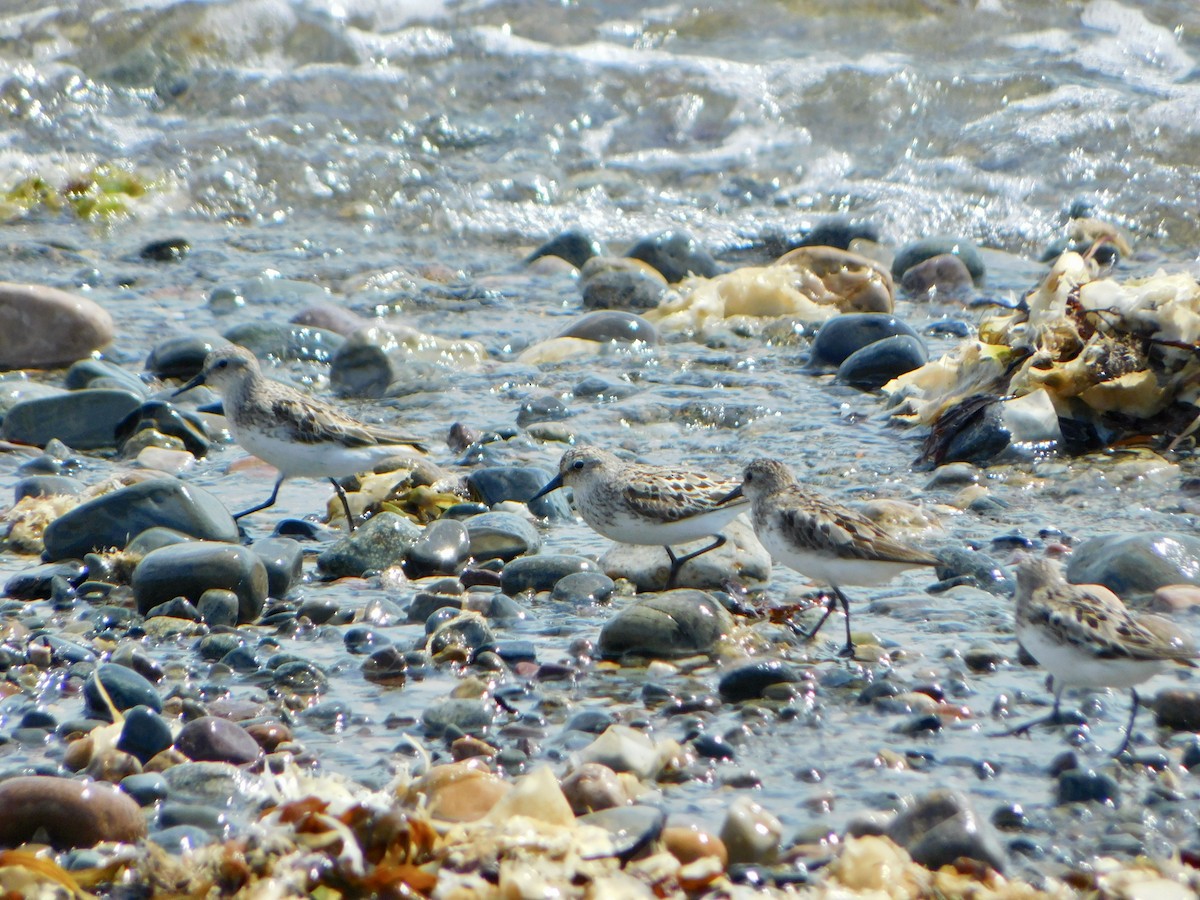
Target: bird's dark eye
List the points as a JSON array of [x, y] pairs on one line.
[[222, 364], [577, 465], [749, 477]]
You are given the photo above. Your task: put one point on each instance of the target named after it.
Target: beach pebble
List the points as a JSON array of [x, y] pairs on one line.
[[629, 287], [460, 637], [574, 245], [941, 826], [85, 419], [166, 420], [456, 716], [593, 786], [146, 788], [110, 520], [212, 739], [501, 535], [42, 327], [375, 358], [742, 557], [285, 341], [583, 588], [748, 680], [676, 254], [1139, 563], [542, 572], [38, 583], [632, 828], [100, 373], [218, 607], [124, 688], [180, 357], [837, 231], [666, 626], [944, 275], [283, 558], [382, 541], [1173, 598], [1087, 786], [459, 792], [1177, 709], [623, 749], [876, 364], [689, 843], [71, 813], [190, 569], [750, 833], [47, 486], [606, 325], [144, 733], [329, 317], [844, 335], [495, 484], [441, 550], [917, 252]]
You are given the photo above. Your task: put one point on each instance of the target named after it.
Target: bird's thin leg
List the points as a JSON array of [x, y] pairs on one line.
[[678, 561], [1129, 727], [847, 651], [1055, 718], [830, 606], [345, 504], [270, 501]]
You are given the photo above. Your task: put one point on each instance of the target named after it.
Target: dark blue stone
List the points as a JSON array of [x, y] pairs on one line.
[[144, 733], [146, 788], [125, 688]]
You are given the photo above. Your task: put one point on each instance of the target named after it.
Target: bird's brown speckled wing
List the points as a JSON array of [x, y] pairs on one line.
[[1094, 622], [671, 496], [826, 527], [311, 421]]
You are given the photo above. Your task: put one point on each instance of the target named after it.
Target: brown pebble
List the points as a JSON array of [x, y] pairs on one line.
[[688, 844], [112, 765], [593, 787], [469, 747], [1176, 598], [71, 813], [1177, 709], [944, 274], [269, 735]]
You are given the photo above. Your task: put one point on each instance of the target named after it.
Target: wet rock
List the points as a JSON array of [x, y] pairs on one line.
[[1087, 786], [460, 637], [378, 360], [495, 484], [623, 749], [181, 839], [85, 420], [983, 429], [283, 340], [876, 364], [606, 325], [383, 541], [144, 733], [154, 538], [676, 255], [574, 245], [945, 275], [190, 569], [387, 665], [843, 335], [543, 408], [1175, 598], [839, 232], [542, 572], [748, 681], [166, 250], [500, 535], [212, 739], [180, 357], [666, 626], [750, 833], [283, 558], [122, 688], [1136, 563], [742, 558], [361, 640], [940, 827], [164, 419], [1177, 709], [100, 373], [71, 813], [442, 548], [330, 317], [632, 287], [47, 486], [112, 519], [593, 787], [175, 608], [218, 607], [455, 717], [984, 656], [38, 583], [915, 253], [42, 327], [632, 828], [146, 789], [583, 588]]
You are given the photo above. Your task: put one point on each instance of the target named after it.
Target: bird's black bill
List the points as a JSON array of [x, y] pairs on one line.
[[732, 495], [195, 382], [553, 485]]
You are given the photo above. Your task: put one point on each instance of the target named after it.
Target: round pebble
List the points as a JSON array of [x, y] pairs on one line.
[[70, 813]]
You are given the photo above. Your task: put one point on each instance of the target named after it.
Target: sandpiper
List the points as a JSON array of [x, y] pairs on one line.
[[636, 503], [299, 435], [827, 542], [1085, 637]]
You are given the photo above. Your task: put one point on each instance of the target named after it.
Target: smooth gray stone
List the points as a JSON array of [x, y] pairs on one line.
[[676, 254], [38, 583], [748, 681], [945, 275], [464, 634], [501, 535], [212, 739], [90, 373], [47, 486], [154, 538], [283, 340], [195, 815], [175, 608], [85, 420], [125, 689], [1179, 710], [15, 389], [633, 828], [383, 541], [144, 734], [1136, 563], [574, 245], [940, 827], [1087, 786], [181, 839], [843, 335], [542, 572], [43, 327], [495, 484], [284, 559], [218, 607], [457, 715], [876, 364], [112, 519], [666, 626], [620, 289], [190, 569], [146, 788], [583, 587], [443, 547], [205, 782], [169, 420], [917, 252], [606, 325], [181, 357]]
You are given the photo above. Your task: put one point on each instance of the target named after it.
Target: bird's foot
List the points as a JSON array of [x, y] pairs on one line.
[[1059, 717]]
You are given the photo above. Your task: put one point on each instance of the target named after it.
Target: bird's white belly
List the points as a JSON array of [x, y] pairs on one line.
[[1073, 666], [626, 528], [827, 569], [325, 460]]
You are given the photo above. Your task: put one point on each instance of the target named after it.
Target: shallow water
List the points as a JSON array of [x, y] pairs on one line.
[[406, 157]]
